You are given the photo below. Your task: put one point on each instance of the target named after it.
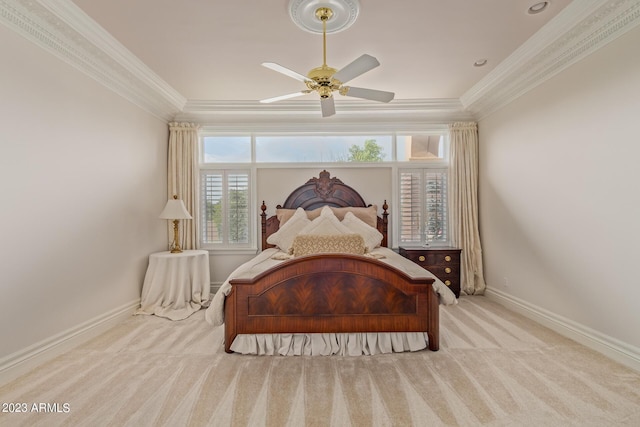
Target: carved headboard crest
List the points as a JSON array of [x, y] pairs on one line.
[[324, 184]]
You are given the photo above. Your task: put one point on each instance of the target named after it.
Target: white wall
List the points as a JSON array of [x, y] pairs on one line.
[[83, 176], [560, 194]]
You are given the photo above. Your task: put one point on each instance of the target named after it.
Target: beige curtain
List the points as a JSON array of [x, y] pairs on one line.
[[182, 175], [464, 204]]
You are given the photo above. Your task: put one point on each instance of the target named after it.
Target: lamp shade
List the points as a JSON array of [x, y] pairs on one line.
[[175, 210]]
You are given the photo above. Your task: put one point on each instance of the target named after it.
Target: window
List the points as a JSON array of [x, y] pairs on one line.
[[423, 207], [324, 148], [224, 208], [422, 189], [226, 149], [427, 147], [230, 163]]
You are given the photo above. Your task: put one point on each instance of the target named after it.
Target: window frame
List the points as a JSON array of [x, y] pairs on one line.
[[252, 167]]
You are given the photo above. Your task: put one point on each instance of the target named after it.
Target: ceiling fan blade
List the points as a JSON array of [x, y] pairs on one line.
[[281, 97], [328, 106], [360, 66], [287, 72], [371, 94]]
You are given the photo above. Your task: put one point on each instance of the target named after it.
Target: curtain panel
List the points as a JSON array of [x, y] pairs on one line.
[[464, 204], [182, 177]]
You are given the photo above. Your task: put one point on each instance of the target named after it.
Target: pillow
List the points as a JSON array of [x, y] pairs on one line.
[[372, 237], [285, 215], [369, 214], [326, 223], [308, 244], [283, 238]]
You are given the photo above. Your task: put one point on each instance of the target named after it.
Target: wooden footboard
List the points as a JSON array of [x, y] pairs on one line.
[[332, 293]]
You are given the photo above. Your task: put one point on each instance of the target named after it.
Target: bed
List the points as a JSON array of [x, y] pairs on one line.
[[296, 298]]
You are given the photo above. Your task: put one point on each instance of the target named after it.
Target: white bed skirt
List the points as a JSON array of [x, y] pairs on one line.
[[342, 344]]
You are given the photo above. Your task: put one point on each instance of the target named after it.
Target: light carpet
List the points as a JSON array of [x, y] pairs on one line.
[[494, 368]]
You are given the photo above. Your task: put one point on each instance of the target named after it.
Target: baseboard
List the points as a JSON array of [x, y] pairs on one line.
[[617, 350], [215, 287], [21, 362]]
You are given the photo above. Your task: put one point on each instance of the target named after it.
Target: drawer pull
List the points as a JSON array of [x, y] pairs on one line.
[[447, 282], [421, 258], [447, 258], [447, 270]]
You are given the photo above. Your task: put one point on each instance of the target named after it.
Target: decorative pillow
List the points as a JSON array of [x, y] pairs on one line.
[[308, 244], [326, 223], [369, 214], [372, 237], [285, 215], [283, 238]]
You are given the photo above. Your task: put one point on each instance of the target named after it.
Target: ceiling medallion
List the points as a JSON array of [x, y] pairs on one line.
[[302, 13]]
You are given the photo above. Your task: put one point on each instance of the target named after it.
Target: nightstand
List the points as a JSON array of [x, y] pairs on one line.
[[176, 285], [443, 262]]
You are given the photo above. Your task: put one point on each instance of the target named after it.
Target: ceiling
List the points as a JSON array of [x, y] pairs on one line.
[[212, 49], [200, 60]]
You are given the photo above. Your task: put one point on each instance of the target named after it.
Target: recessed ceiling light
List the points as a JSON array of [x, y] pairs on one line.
[[480, 63], [538, 7]]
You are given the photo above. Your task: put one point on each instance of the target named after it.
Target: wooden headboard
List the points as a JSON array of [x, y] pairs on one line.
[[318, 192]]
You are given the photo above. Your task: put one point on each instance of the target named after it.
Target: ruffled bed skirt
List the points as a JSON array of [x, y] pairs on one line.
[[342, 344]]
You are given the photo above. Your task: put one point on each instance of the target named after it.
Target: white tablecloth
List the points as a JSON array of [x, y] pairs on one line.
[[176, 285]]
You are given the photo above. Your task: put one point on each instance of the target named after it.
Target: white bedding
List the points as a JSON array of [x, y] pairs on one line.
[[324, 344]]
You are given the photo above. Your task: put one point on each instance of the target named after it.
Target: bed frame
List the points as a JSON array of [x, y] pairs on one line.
[[330, 292]]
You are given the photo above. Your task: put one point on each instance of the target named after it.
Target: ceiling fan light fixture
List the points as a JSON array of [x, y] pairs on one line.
[[325, 80]]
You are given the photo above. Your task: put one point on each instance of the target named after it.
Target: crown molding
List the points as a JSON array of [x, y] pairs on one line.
[[580, 29], [308, 111], [63, 29], [313, 106]]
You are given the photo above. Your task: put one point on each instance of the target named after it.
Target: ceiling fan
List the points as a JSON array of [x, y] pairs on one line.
[[325, 80]]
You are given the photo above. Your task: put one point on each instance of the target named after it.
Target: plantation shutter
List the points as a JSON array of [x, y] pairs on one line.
[[410, 207], [211, 187], [436, 207], [238, 207], [225, 207], [423, 206]]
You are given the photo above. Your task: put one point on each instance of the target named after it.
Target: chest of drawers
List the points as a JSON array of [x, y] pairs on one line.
[[444, 263]]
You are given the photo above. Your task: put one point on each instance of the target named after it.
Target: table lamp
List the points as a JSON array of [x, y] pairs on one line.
[[175, 210]]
